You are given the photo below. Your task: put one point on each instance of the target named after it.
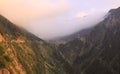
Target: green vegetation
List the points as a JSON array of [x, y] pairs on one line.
[[33, 55], [4, 58], [95, 53]]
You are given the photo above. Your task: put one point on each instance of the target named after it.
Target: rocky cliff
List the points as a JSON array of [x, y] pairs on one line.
[[99, 51]]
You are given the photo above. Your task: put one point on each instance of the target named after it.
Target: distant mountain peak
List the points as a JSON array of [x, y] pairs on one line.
[[99, 51], [113, 18], [114, 10]]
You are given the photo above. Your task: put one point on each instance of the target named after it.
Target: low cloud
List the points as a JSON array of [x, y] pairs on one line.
[[85, 13], [116, 3], [81, 15], [52, 18], [26, 10]]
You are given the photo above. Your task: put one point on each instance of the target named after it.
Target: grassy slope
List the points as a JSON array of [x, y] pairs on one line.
[[33, 54]]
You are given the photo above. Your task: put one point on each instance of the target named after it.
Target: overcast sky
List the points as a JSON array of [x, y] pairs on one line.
[[55, 18]]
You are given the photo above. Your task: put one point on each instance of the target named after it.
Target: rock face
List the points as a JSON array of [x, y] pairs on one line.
[[99, 51]]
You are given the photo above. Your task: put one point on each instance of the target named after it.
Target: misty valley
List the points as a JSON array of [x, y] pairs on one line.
[[93, 50]]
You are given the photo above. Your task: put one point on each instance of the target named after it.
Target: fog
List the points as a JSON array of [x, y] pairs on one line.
[[49, 19], [59, 27]]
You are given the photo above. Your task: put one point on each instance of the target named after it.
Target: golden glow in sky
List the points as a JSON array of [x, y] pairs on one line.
[[54, 18]]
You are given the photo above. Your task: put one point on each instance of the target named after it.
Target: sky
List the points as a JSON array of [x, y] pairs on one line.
[[49, 19]]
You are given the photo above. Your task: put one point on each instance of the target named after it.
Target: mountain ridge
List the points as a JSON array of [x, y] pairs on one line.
[[24, 53], [95, 53], [98, 52]]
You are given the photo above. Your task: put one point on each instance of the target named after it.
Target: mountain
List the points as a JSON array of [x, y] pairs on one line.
[[71, 37], [97, 52], [23, 53]]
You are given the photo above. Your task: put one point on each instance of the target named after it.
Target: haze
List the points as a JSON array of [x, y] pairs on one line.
[[49, 19]]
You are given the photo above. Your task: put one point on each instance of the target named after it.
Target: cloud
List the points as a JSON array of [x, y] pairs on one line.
[[53, 18], [93, 10], [116, 3], [81, 15], [41, 17], [26, 10]]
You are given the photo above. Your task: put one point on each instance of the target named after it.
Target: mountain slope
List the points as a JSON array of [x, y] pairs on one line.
[[24, 53], [98, 52], [71, 37], [95, 53]]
